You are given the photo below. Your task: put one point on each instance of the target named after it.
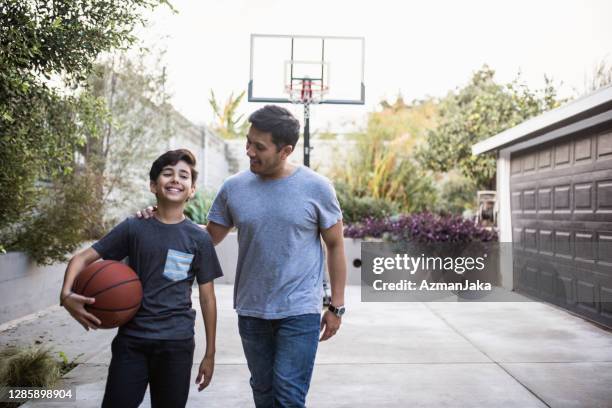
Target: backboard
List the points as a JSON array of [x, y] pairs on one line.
[[331, 69]]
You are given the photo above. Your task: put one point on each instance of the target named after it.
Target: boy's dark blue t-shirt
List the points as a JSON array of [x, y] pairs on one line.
[[167, 258]]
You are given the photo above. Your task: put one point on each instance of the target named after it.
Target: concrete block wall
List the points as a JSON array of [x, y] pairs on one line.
[[186, 135], [213, 166], [216, 165], [235, 154]]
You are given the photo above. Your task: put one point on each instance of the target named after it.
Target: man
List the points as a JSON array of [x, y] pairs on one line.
[[281, 212]]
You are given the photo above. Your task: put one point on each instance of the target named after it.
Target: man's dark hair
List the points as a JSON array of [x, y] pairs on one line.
[[283, 126], [170, 158]]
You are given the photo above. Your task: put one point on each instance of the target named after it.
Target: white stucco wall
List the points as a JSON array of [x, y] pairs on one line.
[[504, 218]]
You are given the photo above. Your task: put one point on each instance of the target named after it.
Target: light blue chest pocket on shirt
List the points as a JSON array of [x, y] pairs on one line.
[[177, 265]]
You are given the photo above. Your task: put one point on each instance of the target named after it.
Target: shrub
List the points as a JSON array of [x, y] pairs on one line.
[[66, 216], [423, 227], [198, 207], [386, 171], [457, 194], [355, 208]]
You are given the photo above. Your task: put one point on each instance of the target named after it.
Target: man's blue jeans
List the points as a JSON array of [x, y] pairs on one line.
[[280, 354]]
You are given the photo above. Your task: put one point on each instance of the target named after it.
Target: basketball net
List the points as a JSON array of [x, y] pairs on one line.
[[306, 92]]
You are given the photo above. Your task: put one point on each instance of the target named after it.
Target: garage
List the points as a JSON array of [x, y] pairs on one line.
[[554, 186]]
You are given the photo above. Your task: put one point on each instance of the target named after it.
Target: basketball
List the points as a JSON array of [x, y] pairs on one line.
[[116, 288]]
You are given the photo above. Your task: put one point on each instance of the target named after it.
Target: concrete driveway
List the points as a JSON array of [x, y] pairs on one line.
[[514, 354]]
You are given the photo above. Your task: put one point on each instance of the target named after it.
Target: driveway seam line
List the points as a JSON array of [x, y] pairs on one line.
[[453, 328]]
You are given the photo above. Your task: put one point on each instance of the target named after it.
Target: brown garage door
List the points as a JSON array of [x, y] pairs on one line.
[[562, 223]]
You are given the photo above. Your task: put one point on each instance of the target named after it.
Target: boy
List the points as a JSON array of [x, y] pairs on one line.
[[156, 346]]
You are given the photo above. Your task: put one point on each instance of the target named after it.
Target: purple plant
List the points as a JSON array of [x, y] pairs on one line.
[[422, 227]]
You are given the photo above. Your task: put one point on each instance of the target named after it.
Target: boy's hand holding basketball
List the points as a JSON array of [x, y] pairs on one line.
[[73, 302], [207, 367], [75, 305]]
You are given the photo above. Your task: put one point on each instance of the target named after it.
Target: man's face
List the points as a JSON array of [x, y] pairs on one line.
[[264, 158], [174, 183]]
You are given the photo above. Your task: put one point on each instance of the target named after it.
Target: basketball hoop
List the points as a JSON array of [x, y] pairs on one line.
[[306, 91]]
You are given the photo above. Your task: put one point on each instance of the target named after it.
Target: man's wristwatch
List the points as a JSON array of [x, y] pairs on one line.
[[338, 311]]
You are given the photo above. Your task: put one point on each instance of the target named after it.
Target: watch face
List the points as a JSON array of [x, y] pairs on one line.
[[338, 311]]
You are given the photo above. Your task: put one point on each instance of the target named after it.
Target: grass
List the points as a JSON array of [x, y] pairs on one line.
[[31, 367], [67, 365], [28, 367]]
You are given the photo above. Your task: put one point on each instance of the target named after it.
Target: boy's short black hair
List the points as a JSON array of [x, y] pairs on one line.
[[170, 158], [283, 126]]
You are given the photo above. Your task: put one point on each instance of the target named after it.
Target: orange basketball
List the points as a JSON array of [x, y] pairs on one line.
[[116, 288]]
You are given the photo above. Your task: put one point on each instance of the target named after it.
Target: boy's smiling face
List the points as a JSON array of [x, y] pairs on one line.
[[174, 184]]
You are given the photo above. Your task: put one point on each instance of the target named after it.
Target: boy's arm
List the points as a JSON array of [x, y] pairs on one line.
[[208, 304], [336, 264], [75, 304]]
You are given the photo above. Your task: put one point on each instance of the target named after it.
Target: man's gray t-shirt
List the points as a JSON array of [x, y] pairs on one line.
[[167, 259], [280, 257]]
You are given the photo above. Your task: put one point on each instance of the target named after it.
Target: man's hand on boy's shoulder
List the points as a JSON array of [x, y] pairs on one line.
[[75, 305], [205, 373], [149, 212], [146, 213]]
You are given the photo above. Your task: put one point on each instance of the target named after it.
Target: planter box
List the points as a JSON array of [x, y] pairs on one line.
[[227, 251], [26, 288], [352, 251]]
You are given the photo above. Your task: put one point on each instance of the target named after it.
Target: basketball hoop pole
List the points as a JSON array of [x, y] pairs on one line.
[[306, 135], [305, 97], [306, 80]]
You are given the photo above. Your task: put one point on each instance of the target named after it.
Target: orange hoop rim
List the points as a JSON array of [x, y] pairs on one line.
[[298, 93]]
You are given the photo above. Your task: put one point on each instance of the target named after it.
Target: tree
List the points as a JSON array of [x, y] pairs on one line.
[[480, 110], [601, 77], [47, 50], [398, 119], [228, 123], [383, 167]]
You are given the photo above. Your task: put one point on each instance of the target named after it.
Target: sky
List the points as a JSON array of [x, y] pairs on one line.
[[416, 48]]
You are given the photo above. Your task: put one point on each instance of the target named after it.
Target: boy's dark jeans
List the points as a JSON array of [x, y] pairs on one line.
[[136, 362]]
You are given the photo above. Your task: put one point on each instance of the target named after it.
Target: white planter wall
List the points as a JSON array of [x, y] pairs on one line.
[[227, 251], [26, 288], [352, 251]]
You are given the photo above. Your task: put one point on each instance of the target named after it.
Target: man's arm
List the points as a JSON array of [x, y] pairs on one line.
[[208, 304], [75, 304], [217, 232], [336, 265]]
